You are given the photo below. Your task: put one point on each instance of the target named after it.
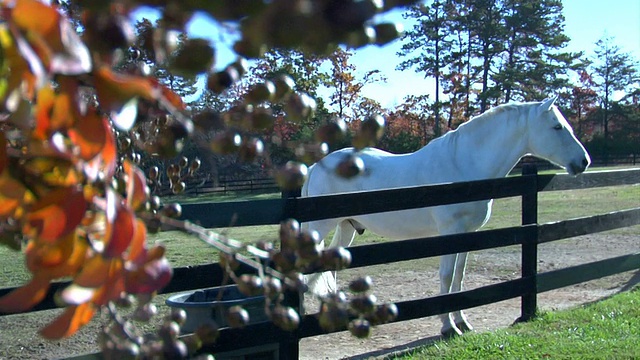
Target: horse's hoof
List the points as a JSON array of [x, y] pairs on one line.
[[450, 333], [464, 327]]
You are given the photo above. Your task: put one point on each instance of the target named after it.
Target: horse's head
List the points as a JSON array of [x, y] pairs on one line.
[[551, 138]]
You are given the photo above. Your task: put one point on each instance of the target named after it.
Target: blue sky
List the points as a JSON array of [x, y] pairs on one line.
[[586, 21]]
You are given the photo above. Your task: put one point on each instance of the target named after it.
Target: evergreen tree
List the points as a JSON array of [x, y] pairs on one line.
[[428, 48], [612, 70], [532, 65]]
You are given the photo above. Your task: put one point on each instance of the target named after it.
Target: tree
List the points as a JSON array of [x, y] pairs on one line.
[[612, 71], [531, 67], [428, 37], [346, 88]]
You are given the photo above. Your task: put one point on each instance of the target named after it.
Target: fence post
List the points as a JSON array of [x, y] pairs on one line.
[[529, 301]]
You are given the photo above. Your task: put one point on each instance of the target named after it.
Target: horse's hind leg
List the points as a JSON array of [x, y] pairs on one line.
[[325, 282]]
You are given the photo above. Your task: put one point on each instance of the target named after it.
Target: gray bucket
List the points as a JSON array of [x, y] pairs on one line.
[[206, 306]]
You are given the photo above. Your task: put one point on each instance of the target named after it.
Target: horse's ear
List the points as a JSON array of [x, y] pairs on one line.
[[546, 105]]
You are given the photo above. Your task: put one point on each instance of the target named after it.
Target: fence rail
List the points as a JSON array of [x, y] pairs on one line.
[[529, 235]]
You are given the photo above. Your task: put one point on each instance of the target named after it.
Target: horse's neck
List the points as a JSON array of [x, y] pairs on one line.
[[489, 147]]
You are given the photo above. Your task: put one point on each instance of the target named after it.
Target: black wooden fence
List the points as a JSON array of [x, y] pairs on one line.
[[528, 235]]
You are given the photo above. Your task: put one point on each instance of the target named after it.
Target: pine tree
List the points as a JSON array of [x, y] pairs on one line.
[[532, 63], [612, 70]]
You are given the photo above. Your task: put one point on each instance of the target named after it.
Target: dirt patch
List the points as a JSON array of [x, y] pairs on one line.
[[407, 281]]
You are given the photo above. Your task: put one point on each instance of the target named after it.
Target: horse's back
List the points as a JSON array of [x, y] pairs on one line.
[[382, 170]]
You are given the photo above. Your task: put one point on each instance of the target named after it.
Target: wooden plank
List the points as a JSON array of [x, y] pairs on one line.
[[367, 202], [237, 213], [265, 212], [585, 272], [588, 225], [588, 180], [394, 251], [420, 308]]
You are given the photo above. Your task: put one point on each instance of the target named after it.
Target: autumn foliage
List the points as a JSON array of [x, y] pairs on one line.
[[62, 104]]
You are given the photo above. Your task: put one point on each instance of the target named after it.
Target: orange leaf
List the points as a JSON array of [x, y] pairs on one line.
[[12, 194], [105, 161], [35, 16], [25, 297], [137, 244], [94, 273], [115, 90], [71, 320], [46, 98], [112, 289], [40, 255], [137, 190], [72, 263], [89, 135], [56, 214]]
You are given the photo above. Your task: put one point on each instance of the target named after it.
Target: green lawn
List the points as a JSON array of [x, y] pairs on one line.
[[608, 329]]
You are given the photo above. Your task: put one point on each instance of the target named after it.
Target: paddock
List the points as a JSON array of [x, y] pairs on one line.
[[548, 278]]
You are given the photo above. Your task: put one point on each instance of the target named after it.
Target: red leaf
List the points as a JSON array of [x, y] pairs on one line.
[[25, 297], [56, 214], [72, 319], [3, 151], [150, 277]]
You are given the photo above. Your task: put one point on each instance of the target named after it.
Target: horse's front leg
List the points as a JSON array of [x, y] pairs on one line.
[[452, 268], [459, 317], [447, 270]]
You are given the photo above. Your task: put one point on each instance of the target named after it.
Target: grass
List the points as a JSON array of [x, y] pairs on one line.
[[605, 329]]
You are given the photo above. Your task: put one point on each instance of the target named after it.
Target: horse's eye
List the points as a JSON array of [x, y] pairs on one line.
[[557, 127]]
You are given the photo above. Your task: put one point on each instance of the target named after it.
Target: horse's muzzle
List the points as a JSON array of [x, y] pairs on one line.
[[579, 166]]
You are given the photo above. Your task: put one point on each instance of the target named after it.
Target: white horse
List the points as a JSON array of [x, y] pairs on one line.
[[488, 146]]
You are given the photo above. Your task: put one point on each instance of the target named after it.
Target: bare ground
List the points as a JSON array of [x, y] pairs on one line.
[[410, 280]]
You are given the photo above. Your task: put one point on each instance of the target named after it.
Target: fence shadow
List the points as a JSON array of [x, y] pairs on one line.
[[635, 280], [398, 350]]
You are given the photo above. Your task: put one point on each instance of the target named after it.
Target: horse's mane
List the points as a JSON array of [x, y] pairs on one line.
[[500, 109]]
